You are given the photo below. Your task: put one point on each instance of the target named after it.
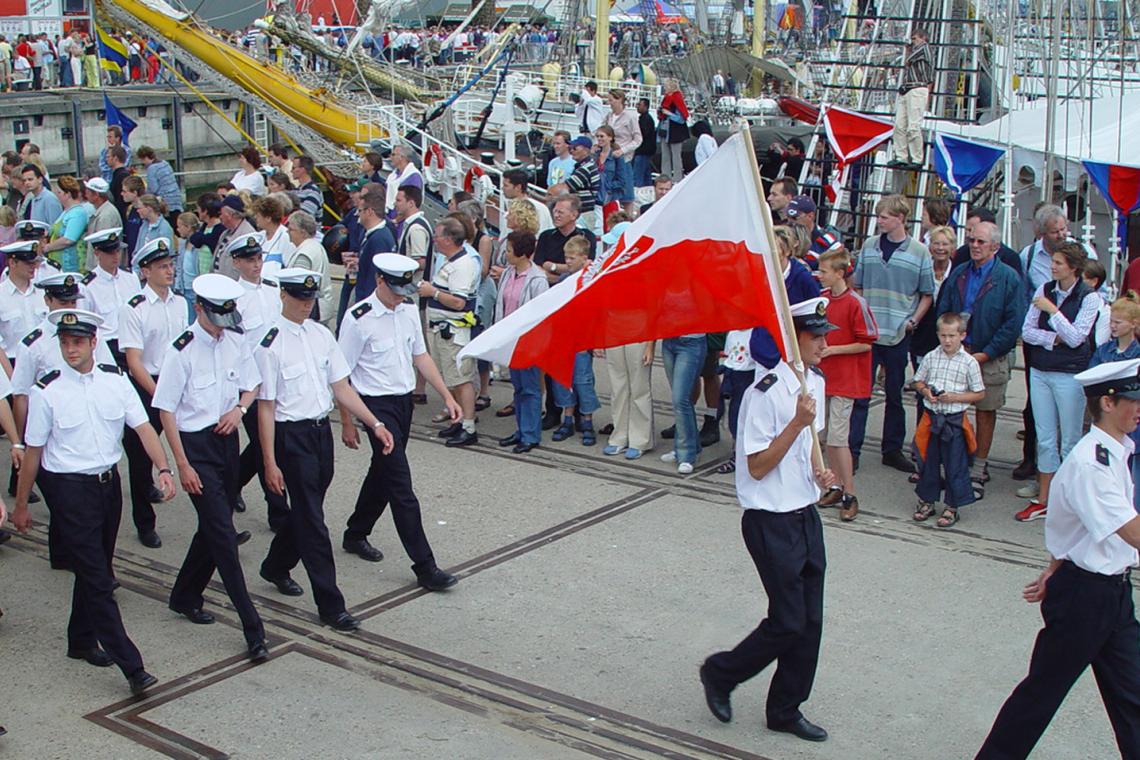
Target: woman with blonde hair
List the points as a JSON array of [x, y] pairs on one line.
[[672, 129], [69, 228]]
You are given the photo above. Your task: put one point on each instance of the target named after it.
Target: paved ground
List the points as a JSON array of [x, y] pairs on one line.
[[591, 589]]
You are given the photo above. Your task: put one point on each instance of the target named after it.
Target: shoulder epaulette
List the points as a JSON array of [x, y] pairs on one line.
[[112, 368], [53, 264], [44, 381], [33, 336], [124, 269], [816, 370], [766, 382], [1101, 454], [90, 278], [270, 336], [136, 300], [270, 283], [183, 340], [361, 310]]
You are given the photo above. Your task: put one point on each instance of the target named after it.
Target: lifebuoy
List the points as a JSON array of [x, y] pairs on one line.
[[478, 183], [434, 165]]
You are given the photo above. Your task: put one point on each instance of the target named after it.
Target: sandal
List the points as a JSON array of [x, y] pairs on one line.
[[924, 511], [443, 416], [979, 490], [948, 519], [726, 467], [506, 411], [482, 402], [589, 437]]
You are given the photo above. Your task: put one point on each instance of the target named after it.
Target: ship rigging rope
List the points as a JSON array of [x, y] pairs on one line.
[[438, 111]]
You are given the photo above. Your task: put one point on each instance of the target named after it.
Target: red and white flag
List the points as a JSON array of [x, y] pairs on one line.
[[851, 136], [698, 261]]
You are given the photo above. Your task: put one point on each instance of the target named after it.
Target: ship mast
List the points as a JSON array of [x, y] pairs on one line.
[[602, 40]]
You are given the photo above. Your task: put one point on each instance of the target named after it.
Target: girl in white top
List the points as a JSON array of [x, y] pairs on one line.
[[249, 176]]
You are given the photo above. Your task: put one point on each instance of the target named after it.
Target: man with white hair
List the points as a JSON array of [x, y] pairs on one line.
[[404, 172], [97, 192]]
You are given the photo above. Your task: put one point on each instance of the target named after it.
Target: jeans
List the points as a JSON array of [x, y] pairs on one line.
[[581, 393], [946, 452], [642, 171], [1058, 403], [893, 359], [683, 359], [528, 403]]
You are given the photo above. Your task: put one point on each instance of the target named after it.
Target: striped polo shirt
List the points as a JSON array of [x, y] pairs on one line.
[[893, 288]]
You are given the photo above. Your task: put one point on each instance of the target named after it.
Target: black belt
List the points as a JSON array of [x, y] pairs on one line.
[[322, 422], [1119, 578], [103, 477], [801, 511]]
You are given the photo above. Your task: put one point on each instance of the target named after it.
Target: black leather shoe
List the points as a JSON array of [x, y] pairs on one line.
[[463, 439], [243, 537], [196, 616], [523, 448], [140, 681], [115, 585], [551, 421], [93, 656], [511, 440], [150, 539], [436, 580], [5, 536], [716, 698], [341, 622], [258, 652], [669, 433], [154, 496], [361, 548], [899, 461], [451, 430], [33, 498], [801, 727], [710, 431], [239, 505], [285, 585], [1024, 471]]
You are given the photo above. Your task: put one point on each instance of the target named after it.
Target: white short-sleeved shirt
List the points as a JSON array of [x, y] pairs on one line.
[[78, 419], [737, 355], [297, 364], [39, 353], [1090, 499], [150, 324], [458, 276], [106, 294], [20, 312], [764, 413], [260, 307], [379, 344], [203, 377]]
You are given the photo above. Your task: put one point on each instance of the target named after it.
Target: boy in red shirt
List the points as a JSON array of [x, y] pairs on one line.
[[846, 366]]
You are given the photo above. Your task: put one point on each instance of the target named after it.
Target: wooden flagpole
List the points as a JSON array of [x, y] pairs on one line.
[[783, 307]]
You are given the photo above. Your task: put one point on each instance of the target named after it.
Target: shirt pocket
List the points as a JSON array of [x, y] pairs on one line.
[[294, 382], [384, 350], [114, 413]]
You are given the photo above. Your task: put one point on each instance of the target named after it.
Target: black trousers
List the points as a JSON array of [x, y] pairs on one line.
[[1029, 445], [86, 510], [305, 455], [140, 468], [252, 464], [214, 545], [389, 481], [789, 555], [1089, 620]]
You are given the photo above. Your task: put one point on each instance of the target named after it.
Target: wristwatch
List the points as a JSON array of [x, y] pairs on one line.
[[379, 424], [244, 409]]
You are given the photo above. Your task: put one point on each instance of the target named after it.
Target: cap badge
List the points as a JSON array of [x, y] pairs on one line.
[[68, 281], [69, 319], [310, 282], [821, 309], [229, 305]]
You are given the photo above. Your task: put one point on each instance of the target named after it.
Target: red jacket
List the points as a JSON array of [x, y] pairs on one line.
[[674, 101]]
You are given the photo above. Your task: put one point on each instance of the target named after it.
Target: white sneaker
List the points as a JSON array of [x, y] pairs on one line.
[[685, 468], [1028, 491], [669, 457]]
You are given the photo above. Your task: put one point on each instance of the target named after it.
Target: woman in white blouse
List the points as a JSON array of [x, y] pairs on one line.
[[249, 176], [310, 254], [627, 136]]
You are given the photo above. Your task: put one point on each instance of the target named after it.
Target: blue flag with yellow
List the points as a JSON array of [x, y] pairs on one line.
[[112, 52]]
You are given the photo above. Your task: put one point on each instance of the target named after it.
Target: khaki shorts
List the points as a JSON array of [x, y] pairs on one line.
[[995, 376], [443, 353], [839, 420]]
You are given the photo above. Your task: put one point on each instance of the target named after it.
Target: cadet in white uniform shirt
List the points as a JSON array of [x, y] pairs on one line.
[[383, 344], [260, 308], [302, 369], [1092, 533], [75, 427], [22, 306], [38, 353], [778, 486], [148, 325], [206, 385], [109, 286]]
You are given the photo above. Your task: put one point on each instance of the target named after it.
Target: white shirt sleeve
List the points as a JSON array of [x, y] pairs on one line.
[[351, 340], [130, 328], [1030, 332], [759, 429], [38, 427], [136, 413], [171, 382], [1073, 334], [1099, 502], [338, 367], [248, 375], [267, 366]]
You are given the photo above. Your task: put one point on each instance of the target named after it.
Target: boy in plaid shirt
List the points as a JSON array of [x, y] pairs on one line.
[[950, 380]]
